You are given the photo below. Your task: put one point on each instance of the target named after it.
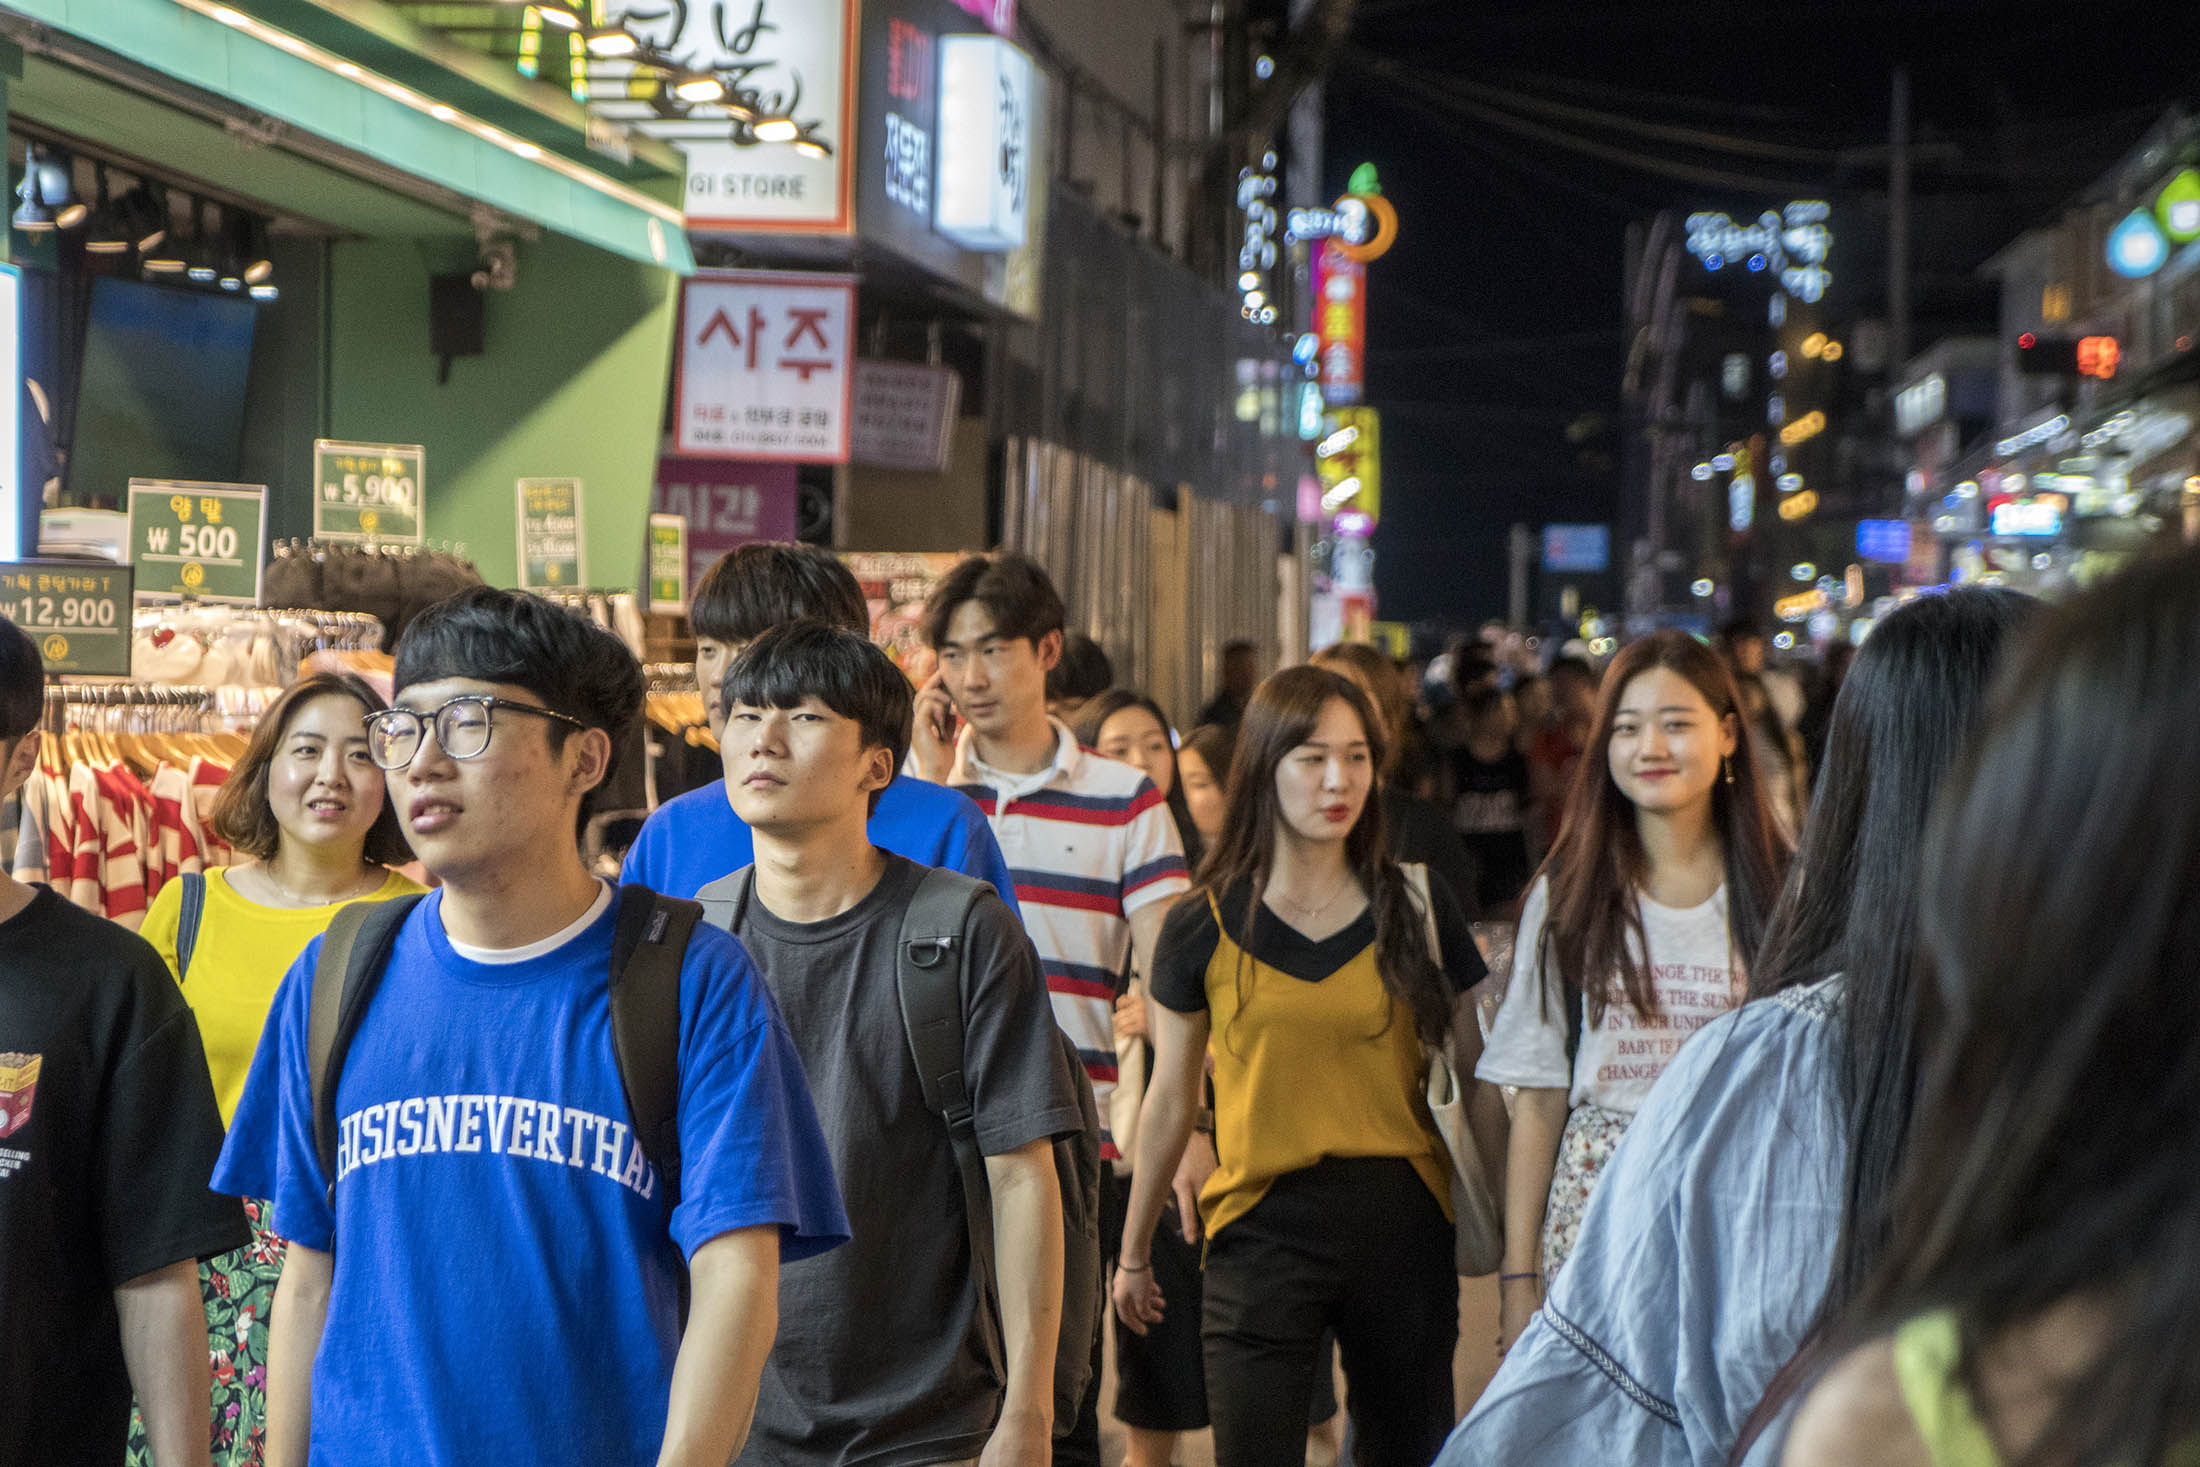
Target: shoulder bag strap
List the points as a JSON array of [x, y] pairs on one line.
[[187, 922], [354, 950], [647, 951], [930, 959]]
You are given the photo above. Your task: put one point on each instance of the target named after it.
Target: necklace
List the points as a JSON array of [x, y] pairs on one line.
[[373, 875], [1330, 901]]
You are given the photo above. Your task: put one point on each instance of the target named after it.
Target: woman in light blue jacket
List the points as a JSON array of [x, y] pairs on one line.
[[1747, 1201]]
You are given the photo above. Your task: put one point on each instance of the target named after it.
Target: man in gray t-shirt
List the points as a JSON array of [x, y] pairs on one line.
[[879, 1358]]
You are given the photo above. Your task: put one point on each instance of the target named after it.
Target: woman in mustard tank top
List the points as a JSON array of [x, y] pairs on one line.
[[2038, 1301], [1302, 962]]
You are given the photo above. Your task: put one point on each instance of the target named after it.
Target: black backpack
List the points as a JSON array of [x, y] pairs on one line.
[[647, 949], [932, 954]]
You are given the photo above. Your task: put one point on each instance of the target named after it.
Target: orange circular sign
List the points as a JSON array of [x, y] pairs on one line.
[[1386, 228]]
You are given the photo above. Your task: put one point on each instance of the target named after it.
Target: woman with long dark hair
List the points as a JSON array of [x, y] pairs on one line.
[[1750, 1200], [1160, 1391], [1305, 953], [2036, 1297], [1638, 931]]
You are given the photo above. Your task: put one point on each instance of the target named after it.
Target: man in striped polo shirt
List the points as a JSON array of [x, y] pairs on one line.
[[1089, 841]]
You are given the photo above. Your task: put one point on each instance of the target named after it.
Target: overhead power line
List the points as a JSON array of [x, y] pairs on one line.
[[1406, 79]]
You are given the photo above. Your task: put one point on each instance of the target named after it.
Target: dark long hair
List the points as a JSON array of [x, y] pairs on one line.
[[1597, 864], [1912, 704], [1105, 706], [2053, 1154], [1280, 717]]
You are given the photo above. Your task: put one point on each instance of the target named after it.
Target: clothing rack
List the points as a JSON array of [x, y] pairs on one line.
[[131, 707], [283, 549], [242, 646]]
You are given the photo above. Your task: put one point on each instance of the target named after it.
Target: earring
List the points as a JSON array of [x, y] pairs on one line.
[[1727, 765]]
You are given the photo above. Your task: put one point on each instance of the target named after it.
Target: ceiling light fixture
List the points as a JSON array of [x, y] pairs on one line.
[[609, 42], [698, 86], [199, 263], [110, 233]]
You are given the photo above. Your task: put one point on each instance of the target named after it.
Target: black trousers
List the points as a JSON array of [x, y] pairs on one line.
[[1353, 1244]]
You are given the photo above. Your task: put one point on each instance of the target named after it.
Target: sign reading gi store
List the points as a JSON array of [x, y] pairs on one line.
[[787, 59]]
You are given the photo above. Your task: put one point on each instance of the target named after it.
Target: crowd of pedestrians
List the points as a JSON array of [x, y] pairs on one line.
[[1836, 1102]]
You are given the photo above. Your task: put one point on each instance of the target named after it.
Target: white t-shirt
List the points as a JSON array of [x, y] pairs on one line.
[[1694, 971]]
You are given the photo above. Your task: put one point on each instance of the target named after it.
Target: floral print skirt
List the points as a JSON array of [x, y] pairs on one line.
[[239, 1291], [1591, 1136]]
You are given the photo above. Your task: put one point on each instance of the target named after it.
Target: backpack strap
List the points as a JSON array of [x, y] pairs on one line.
[[931, 958], [647, 949], [187, 922], [726, 901], [354, 951]]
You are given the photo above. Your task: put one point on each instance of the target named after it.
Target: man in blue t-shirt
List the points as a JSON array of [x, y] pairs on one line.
[[491, 1274], [695, 838]]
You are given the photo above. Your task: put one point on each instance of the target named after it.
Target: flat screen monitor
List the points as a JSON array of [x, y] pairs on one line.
[[162, 390]]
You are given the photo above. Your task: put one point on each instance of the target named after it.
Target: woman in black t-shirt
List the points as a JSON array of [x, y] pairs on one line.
[[1305, 953]]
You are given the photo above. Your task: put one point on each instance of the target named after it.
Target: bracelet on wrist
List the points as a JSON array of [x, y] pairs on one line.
[[1506, 1278], [1122, 1267]]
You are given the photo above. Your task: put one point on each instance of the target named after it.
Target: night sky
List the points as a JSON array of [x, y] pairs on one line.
[[1518, 140]]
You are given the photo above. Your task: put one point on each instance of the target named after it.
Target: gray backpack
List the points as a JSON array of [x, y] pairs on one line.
[[932, 954]]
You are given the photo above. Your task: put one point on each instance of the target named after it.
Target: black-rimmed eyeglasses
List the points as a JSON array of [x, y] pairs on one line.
[[461, 728]]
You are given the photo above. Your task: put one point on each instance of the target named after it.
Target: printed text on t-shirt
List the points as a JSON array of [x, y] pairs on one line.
[[1689, 997], [499, 1125]]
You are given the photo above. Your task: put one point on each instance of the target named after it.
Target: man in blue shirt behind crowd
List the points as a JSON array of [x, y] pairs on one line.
[[506, 1289], [695, 838]]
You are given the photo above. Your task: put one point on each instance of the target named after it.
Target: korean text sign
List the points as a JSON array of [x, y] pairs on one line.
[[367, 491], [766, 366], [791, 59], [1340, 321], [203, 541], [77, 613]]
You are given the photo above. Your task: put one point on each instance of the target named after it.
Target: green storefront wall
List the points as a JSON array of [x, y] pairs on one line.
[[578, 353], [573, 383]]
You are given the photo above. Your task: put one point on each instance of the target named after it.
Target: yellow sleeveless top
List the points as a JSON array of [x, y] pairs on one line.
[[1308, 1070], [1925, 1351]]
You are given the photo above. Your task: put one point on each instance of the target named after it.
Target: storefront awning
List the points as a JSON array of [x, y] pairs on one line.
[[348, 116]]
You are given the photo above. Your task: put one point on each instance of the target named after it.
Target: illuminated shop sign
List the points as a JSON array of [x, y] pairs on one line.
[[790, 59], [1790, 246], [1919, 406], [1349, 463], [1340, 321], [985, 139], [2036, 515], [1884, 541], [999, 15], [2137, 247], [1257, 244]]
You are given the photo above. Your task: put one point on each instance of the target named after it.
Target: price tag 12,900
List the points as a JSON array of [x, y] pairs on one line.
[[77, 612]]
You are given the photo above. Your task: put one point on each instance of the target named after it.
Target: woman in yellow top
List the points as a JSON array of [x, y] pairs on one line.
[[1305, 957], [2036, 1295], [310, 808]]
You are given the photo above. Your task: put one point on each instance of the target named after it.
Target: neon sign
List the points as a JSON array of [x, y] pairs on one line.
[[1362, 223], [1792, 244]]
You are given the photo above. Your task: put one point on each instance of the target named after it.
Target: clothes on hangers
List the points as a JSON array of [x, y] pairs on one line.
[[122, 799]]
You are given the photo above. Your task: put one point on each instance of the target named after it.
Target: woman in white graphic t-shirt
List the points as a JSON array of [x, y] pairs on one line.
[[1636, 933]]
